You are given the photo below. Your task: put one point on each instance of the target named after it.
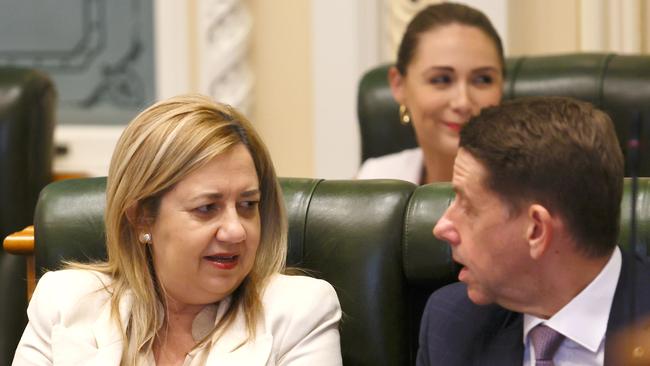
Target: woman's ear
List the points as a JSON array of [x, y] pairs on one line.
[[132, 214], [396, 82], [540, 230], [138, 216]]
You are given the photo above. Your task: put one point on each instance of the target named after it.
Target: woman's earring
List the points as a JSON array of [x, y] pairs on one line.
[[144, 238], [404, 116]]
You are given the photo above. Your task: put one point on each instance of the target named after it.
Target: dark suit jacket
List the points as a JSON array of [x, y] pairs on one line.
[[455, 331]]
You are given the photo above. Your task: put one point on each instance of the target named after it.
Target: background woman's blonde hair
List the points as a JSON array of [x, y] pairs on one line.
[[159, 148]]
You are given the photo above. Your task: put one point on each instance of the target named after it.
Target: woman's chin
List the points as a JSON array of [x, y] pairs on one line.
[[448, 147]]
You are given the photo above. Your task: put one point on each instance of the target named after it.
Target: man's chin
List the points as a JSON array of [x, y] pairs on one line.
[[478, 297]]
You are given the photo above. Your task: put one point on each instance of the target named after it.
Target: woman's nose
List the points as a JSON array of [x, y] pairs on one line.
[[461, 102], [231, 228]]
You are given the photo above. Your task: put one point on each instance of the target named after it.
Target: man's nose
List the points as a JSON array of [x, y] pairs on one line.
[[445, 230]]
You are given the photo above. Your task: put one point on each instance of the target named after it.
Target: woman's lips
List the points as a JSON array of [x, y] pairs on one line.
[[223, 261], [456, 127]]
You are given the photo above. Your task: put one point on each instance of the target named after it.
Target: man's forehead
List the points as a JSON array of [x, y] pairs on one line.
[[470, 182], [468, 171]]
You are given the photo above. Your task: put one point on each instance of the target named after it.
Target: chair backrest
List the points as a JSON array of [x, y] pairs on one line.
[[27, 104], [370, 239], [617, 84]]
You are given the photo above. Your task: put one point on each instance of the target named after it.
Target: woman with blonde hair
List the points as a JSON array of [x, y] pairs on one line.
[[196, 242]]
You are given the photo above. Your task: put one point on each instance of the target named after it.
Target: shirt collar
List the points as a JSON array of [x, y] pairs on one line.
[[584, 318]]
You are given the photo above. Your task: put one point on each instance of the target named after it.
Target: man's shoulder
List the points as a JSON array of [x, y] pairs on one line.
[[455, 331], [450, 307], [634, 276], [631, 290]]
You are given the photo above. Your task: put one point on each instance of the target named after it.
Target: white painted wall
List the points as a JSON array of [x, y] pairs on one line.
[[344, 44], [173, 51], [497, 12], [89, 149]]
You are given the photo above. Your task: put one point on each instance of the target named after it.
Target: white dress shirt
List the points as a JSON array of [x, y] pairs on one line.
[[583, 321]]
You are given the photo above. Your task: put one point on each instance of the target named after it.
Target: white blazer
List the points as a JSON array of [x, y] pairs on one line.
[[405, 165], [70, 324]]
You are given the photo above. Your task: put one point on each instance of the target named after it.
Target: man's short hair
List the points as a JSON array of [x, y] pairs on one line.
[[558, 152]]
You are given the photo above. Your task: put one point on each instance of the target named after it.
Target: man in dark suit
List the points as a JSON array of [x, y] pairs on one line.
[[534, 224]]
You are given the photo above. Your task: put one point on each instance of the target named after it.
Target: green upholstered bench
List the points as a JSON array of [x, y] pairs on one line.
[[372, 240]]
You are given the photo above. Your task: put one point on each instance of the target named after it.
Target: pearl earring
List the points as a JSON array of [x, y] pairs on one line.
[[144, 238]]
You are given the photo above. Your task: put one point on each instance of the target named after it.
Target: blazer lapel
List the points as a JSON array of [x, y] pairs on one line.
[[232, 347], [99, 343], [108, 334]]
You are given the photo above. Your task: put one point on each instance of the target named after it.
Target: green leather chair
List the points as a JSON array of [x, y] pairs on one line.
[[617, 84], [27, 104], [371, 240]]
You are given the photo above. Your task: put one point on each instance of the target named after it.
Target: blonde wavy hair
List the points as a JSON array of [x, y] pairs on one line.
[[158, 149]]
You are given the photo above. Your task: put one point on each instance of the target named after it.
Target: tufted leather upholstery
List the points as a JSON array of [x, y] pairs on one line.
[[617, 84], [27, 100], [371, 240]]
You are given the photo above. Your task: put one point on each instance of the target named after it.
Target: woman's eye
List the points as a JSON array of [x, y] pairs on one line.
[[204, 209], [249, 204], [440, 79], [483, 80]]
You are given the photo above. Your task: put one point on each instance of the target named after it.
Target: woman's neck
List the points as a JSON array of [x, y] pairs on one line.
[[437, 167], [175, 340]]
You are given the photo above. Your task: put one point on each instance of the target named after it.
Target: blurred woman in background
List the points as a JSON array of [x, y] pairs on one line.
[[450, 65]]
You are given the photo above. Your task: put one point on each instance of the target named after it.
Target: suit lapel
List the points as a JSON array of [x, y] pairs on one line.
[[631, 302], [503, 345]]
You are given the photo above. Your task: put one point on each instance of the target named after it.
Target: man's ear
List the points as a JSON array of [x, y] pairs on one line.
[[396, 82], [540, 230]]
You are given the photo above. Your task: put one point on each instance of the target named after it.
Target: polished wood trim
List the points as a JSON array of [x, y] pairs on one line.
[[58, 176], [31, 276], [21, 243]]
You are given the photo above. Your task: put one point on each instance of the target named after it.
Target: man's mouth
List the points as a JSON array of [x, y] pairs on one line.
[[460, 268]]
